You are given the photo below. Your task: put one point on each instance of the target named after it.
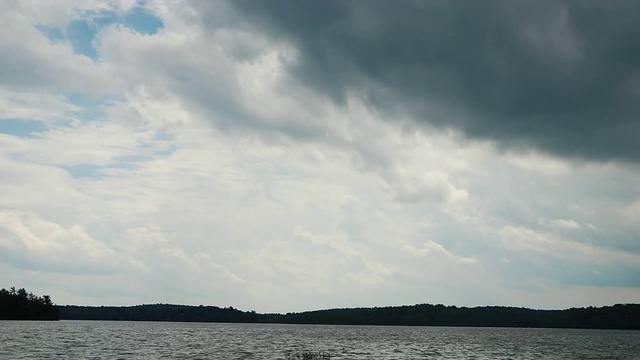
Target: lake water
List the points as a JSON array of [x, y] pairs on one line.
[[158, 340]]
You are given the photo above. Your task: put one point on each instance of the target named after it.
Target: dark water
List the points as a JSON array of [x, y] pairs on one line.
[[156, 340]]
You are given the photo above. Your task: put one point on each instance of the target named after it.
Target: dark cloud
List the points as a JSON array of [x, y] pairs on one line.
[[562, 77]]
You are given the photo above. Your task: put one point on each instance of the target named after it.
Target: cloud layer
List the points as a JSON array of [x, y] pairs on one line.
[[283, 156]]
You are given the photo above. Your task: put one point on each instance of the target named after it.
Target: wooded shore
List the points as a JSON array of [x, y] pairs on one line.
[[621, 316]]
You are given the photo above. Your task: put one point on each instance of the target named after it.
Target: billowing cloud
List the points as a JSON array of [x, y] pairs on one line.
[[558, 76], [32, 243], [32, 61]]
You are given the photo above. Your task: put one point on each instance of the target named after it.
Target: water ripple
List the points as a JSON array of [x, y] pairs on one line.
[[157, 340]]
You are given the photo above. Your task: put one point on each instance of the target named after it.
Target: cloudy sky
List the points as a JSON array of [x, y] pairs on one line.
[[287, 156]]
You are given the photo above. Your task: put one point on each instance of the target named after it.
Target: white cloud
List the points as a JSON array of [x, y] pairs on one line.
[[32, 243], [542, 163], [564, 248], [631, 214], [35, 106], [561, 224], [60, 13], [31, 61], [433, 247]]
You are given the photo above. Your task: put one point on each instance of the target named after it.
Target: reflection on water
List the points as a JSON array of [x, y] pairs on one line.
[[157, 340]]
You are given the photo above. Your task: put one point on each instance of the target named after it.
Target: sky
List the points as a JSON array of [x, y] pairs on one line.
[[285, 156]]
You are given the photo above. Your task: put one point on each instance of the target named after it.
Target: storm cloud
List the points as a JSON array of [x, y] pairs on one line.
[[558, 76]]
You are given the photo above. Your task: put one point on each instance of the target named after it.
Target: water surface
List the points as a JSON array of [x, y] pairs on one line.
[[162, 340]]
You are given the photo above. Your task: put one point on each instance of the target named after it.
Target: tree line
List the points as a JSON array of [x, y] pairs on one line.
[[159, 312], [22, 305], [621, 316]]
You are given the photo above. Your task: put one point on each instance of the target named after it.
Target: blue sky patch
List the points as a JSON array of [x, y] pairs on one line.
[[142, 21], [19, 127], [81, 35], [85, 171], [81, 32], [92, 171], [53, 34]]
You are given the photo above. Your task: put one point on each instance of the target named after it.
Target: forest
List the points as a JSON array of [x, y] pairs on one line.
[[22, 305], [621, 316], [159, 312]]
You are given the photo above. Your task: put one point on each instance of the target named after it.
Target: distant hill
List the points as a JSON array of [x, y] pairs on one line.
[[621, 316], [22, 305]]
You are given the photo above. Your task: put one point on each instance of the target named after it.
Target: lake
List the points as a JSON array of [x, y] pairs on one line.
[[163, 340]]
